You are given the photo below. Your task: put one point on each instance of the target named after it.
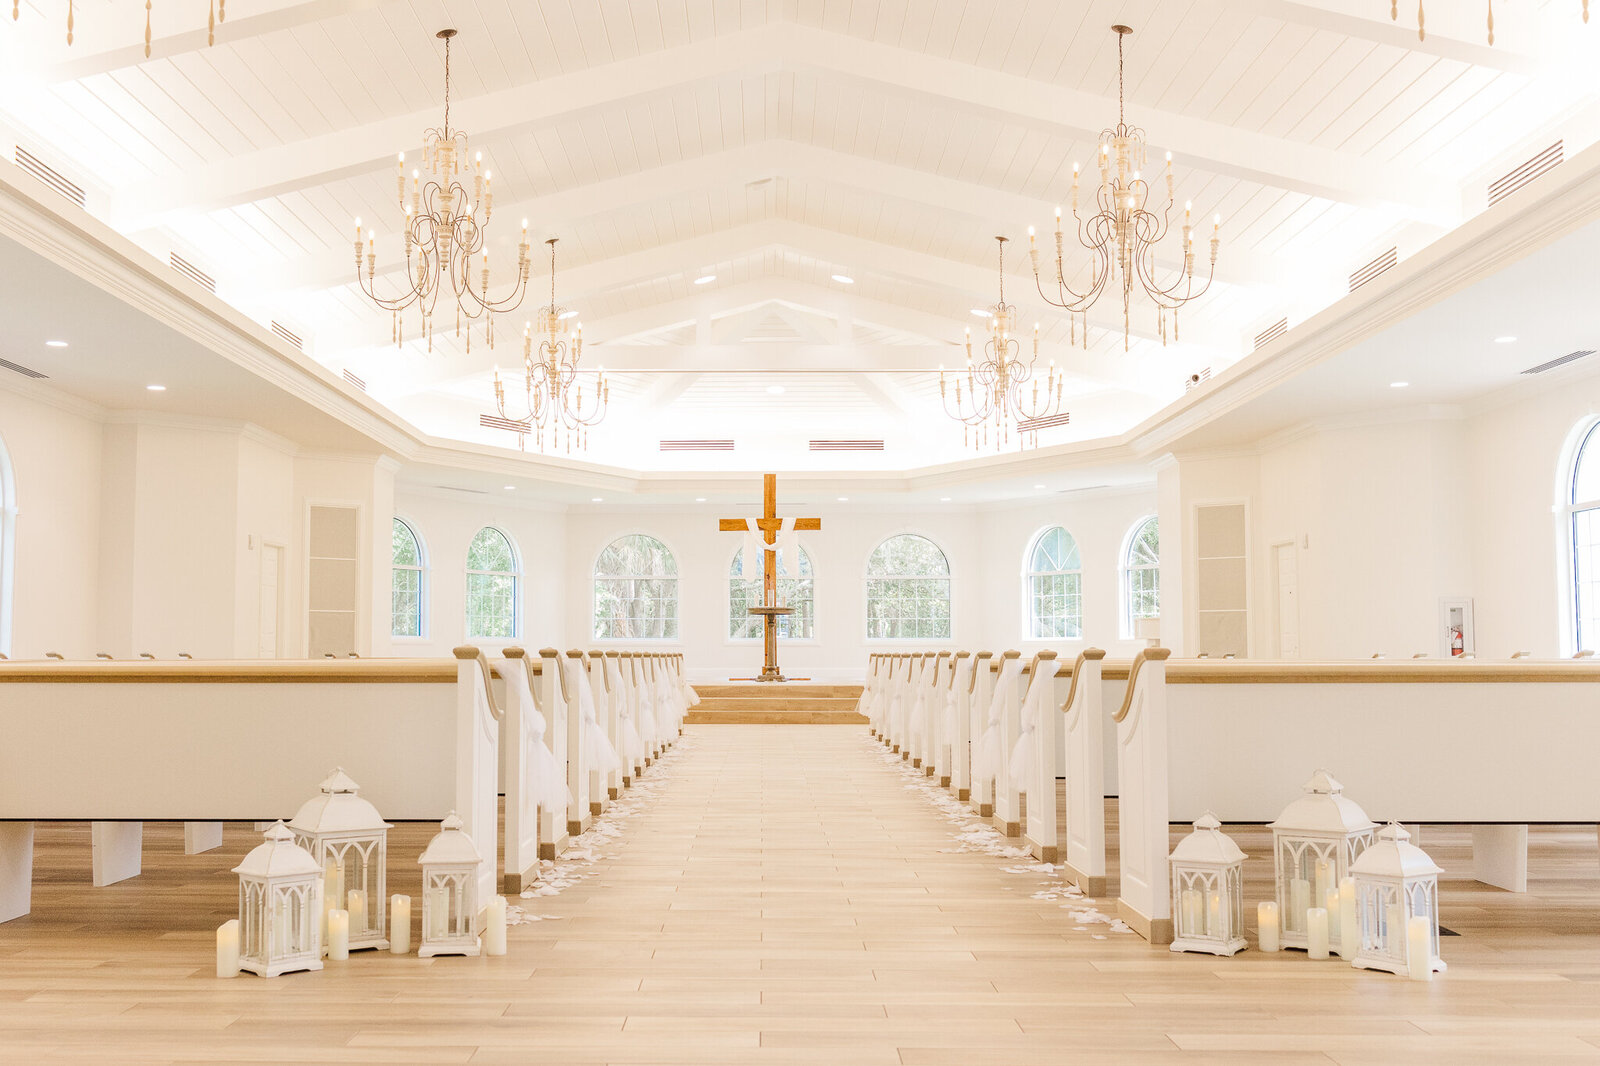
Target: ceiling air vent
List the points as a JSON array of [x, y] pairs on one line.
[[293, 338], [1374, 268], [1034, 425], [697, 445], [1272, 333], [847, 445], [193, 273], [496, 422], [1545, 161], [1194, 381], [18, 368], [353, 380], [26, 160], [1570, 357]]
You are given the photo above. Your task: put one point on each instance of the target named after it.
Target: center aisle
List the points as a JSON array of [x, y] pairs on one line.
[[786, 897]]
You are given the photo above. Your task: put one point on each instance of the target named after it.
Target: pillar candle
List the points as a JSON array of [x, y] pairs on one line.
[[228, 948], [1331, 904], [400, 924], [356, 904], [1317, 933], [1189, 908], [338, 935], [494, 934], [1419, 948], [434, 905], [1214, 923], [1299, 903], [280, 928], [1267, 925], [1324, 882], [1394, 931], [1349, 928]]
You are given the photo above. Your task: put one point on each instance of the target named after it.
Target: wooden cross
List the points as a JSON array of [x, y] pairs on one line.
[[769, 523]]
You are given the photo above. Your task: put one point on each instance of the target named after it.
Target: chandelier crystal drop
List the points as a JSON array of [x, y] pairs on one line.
[[218, 13], [999, 394], [1123, 233], [445, 233], [555, 409]]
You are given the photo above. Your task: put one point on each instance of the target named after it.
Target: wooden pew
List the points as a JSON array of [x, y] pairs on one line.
[[1494, 745], [128, 742]]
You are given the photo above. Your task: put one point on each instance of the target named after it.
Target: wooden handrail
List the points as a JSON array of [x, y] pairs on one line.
[[972, 686], [469, 651], [260, 671], [1378, 671], [1086, 655], [1145, 655]]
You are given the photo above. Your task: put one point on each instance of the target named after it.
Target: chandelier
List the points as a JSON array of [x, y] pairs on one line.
[[1422, 26], [218, 13], [1123, 232], [444, 232], [553, 401], [1001, 391]]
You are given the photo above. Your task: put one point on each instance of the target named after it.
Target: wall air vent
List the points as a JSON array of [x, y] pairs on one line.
[[18, 368], [193, 273], [1034, 425], [1272, 333], [293, 338], [353, 380], [1194, 381], [847, 445], [26, 160], [697, 445], [1374, 268], [458, 488], [1570, 357], [496, 422], [1542, 163]]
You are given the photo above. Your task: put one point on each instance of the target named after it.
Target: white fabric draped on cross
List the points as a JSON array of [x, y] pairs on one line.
[[989, 758], [1034, 705], [598, 754], [751, 565], [546, 780]]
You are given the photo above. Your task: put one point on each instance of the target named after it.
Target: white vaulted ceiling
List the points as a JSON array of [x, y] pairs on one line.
[[775, 145]]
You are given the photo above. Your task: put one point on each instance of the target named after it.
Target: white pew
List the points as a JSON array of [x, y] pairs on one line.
[[126, 742], [575, 675], [1487, 744], [1084, 733], [958, 717], [1035, 755], [533, 717], [988, 749]]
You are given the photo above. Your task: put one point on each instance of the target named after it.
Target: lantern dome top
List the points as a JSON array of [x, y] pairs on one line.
[[1207, 844], [1393, 855], [1323, 809], [278, 856], [450, 845], [338, 809]]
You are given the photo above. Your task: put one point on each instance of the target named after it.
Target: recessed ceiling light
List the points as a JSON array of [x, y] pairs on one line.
[[981, 313], [596, 499], [1038, 486], [705, 279], [844, 279], [775, 390], [55, 344], [1399, 384], [156, 388], [944, 499], [844, 499], [1505, 340], [563, 316], [510, 488], [699, 499]]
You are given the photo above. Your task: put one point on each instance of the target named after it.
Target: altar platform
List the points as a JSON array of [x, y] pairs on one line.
[[776, 703]]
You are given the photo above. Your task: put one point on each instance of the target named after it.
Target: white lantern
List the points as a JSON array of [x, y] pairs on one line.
[[1208, 890], [350, 842], [1395, 883], [1314, 841], [449, 892], [280, 906]]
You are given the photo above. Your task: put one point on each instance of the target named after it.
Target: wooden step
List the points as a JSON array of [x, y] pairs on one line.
[[783, 702], [777, 703], [754, 690], [755, 713]]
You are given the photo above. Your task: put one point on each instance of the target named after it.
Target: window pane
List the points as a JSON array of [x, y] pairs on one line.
[[1586, 469], [1586, 576], [491, 606], [490, 550], [406, 603], [405, 550]]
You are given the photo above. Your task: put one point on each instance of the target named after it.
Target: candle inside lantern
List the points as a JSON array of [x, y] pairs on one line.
[[356, 904], [438, 900], [1324, 882], [1190, 912], [1317, 933], [228, 948], [1335, 926], [332, 891], [1267, 925], [400, 924], [1299, 903], [1349, 932], [494, 934], [1394, 929], [338, 935], [1214, 926], [1419, 948], [280, 927]]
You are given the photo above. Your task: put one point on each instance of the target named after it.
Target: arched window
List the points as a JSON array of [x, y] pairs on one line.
[[1055, 587], [491, 586], [908, 590], [1141, 575], [1584, 507], [795, 590], [406, 582], [636, 590]]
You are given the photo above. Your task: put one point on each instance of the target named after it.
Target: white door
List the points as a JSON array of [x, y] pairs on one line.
[[271, 567], [1288, 582]]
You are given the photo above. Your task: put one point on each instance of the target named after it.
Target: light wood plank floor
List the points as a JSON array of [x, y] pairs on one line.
[[786, 896]]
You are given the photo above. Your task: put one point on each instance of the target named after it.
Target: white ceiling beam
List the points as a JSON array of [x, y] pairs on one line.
[[1381, 30]]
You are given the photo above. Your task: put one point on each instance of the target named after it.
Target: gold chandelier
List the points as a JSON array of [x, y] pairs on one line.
[[1422, 18], [218, 13], [553, 393], [1002, 390], [444, 231], [1123, 232]]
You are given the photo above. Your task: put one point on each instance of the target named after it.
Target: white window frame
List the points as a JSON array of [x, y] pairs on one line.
[[1030, 626], [515, 574], [1585, 435], [727, 628], [423, 584], [868, 578], [595, 577], [1127, 622]]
